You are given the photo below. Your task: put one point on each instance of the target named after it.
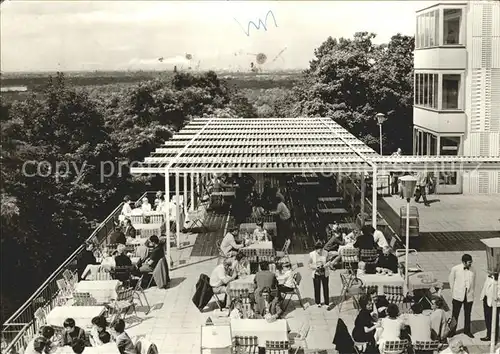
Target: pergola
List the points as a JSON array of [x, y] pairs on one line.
[[283, 145]]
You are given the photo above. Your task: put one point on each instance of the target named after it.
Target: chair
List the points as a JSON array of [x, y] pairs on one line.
[[138, 290], [70, 277], [413, 265], [222, 256], [64, 290], [368, 256], [297, 278], [368, 289], [40, 318], [284, 252], [277, 347], [197, 217], [395, 347], [123, 274], [83, 299], [244, 344], [426, 346], [299, 342], [394, 294], [123, 302], [268, 255], [351, 285], [350, 257]]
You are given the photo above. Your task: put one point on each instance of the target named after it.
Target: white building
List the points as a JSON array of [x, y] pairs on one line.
[[457, 89]]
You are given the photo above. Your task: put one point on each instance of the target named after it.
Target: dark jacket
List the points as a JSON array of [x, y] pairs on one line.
[[117, 237], [381, 302], [203, 292], [266, 278], [130, 231], [68, 338], [274, 307], [156, 254], [389, 262], [122, 260], [343, 340], [87, 257], [365, 242]]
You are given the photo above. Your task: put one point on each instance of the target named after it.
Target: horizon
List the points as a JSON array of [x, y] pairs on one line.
[[111, 36]]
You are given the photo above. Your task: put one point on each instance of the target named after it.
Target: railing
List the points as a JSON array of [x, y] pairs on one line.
[[20, 328]]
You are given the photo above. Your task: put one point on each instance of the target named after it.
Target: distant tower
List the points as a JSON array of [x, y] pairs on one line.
[[175, 68]]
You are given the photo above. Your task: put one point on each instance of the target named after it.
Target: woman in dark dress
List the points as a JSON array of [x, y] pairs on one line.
[[365, 326], [87, 257]]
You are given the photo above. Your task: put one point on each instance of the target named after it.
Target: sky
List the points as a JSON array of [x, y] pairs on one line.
[[133, 35]]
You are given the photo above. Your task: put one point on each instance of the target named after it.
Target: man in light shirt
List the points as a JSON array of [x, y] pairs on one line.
[[488, 299], [462, 281], [420, 324], [221, 276], [422, 180], [283, 223], [228, 246], [379, 238], [145, 206]]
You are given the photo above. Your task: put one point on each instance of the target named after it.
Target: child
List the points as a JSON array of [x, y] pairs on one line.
[[361, 269], [237, 311]]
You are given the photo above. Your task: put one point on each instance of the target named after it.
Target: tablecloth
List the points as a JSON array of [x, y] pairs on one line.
[[381, 280], [260, 245], [277, 331], [423, 280], [82, 315], [213, 337], [102, 290], [243, 283]]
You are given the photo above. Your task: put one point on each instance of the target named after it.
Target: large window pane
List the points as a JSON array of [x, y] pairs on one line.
[[451, 86], [417, 33], [422, 29], [433, 147], [449, 147], [436, 26], [425, 94], [452, 19], [432, 41], [435, 91], [431, 90]]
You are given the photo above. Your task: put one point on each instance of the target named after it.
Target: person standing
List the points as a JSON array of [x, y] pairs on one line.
[[320, 272], [487, 298], [283, 223], [462, 281], [422, 180]]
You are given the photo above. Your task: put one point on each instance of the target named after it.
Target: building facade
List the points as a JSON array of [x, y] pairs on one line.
[[457, 89]]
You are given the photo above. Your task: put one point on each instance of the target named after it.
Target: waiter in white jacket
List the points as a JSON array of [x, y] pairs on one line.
[[487, 297], [462, 281]]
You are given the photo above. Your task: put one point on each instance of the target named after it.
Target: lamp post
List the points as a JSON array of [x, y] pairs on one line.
[[408, 184], [493, 259], [380, 119]]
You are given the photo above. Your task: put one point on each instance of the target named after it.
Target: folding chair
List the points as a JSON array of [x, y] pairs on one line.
[[368, 289], [351, 285], [123, 302], [83, 299], [428, 347], [70, 277], [268, 255], [123, 274], [222, 256], [368, 256], [395, 347], [299, 342], [413, 265], [64, 289], [40, 318], [138, 290], [277, 347], [297, 278], [394, 294], [284, 252], [197, 218], [244, 345], [350, 257]]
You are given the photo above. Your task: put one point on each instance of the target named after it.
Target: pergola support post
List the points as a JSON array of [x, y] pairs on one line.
[[192, 192], [374, 198], [167, 216], [178, 211], [198, 186], [185, 189], [362, 201]]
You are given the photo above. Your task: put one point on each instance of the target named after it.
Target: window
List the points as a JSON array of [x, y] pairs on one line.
[[427, 29], [426, 90], [452, 19], [433, 150], [451, 87], [449, 147]]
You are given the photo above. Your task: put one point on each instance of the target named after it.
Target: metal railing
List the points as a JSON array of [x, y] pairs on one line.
[[20, 328]]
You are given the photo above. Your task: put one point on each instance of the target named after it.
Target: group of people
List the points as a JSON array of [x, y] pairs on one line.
[[76, 337]]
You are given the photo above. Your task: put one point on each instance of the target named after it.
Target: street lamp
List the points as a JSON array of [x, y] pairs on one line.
[[408, 184], [493, 258], [380, 119]]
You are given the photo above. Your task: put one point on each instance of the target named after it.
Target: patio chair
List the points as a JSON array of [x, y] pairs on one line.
[[40, 317], [413, 265], [284, 252], [243, 295], [197, 218], [352, 286], [350, 258], [395, 347], [138, 291], [426, 347], [70, 277], [64, 290], [123, 274], [277, 347], [299, 342], [83, 299], [268, 255], [297, 278], [244, 345], [123, 302], [222, 256], [367, 289], [368, 256]]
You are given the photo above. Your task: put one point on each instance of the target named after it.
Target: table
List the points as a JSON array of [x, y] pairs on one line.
[[260, 245], [216, 337], [307, 183], [102, 290], [381, 280], [109, 348], [82, 315], [330, 199], [243, 283], [423, 280], [330, 208], [319, 340], [250, 226], [136, 241], [147, 226], [263, 330]]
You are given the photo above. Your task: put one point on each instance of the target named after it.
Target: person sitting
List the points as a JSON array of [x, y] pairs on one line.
[[105, 337], [267, 306], [154, 257], [228, 246], [71, 332], [236, 310], [366, 241], [98, 331], [158, 203], [126, 209], [257, 210], [286, 281], [456, 346], [420, 324], [380, 304], [145, 206], [390, 327], [361, 269], [240, 265], [123, 341], [46, 333], [78, 346], [121, 259], [129, 230], [439, 320], [387, 260], [265, 279], [117, 236], [220, 277], [364, 325], [379, 238], [86, 258], [260, 234]]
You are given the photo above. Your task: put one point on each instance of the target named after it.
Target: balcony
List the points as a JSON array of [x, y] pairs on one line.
[[439, 121], [441, 58]]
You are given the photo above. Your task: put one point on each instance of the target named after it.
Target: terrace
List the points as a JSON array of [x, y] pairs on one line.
[[173, 322]]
